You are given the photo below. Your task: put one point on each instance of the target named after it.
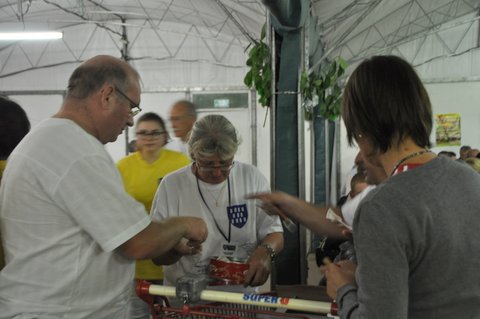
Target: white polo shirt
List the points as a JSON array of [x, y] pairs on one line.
[[63, 213]]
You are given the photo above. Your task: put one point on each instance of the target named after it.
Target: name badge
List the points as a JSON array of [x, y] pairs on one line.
[[228, 249]]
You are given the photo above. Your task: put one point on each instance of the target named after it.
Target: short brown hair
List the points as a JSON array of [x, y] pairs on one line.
[[386, 101]]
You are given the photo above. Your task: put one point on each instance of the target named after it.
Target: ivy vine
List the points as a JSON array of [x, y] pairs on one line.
[[323, 90], [260, 74]]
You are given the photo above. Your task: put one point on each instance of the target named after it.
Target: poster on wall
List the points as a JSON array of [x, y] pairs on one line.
[[448, 131]]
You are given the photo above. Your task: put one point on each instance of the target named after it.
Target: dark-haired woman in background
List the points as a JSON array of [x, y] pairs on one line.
[[14, 125]]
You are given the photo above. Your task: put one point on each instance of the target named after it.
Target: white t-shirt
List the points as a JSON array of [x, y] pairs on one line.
[[179, 195], [350, 207], [63, 213]]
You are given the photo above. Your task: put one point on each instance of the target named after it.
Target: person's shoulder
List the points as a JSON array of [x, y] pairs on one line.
[[128, 160], [55, 135], [180, 174], [176, 154], [246, 168], [248, 171]]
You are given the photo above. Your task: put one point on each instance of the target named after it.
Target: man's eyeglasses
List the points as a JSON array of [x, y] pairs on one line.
[[134, 107], [208, 169], [154, 134]]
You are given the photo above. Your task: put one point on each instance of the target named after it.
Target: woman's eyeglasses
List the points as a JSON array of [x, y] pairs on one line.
[[208, 169], [153, 134]]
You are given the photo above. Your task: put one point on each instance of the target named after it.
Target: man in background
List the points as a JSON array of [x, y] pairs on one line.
[[182, 116], [70, 231]]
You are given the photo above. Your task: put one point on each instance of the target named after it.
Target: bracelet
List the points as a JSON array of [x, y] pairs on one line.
[[270, 250]]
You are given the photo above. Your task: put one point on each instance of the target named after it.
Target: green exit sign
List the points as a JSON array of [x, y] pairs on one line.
[[221, 103]]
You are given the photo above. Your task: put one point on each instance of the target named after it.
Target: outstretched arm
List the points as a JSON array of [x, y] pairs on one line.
[[312, 217]]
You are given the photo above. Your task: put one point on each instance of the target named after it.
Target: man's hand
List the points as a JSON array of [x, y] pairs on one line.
[[186, 247], [196, 230]]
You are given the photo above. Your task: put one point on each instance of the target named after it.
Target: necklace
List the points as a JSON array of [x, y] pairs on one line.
[[220, 193], [406, 158]]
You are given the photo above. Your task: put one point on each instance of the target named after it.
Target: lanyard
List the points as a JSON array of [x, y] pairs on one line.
[[406, 158], [405, 167], [211, 212]]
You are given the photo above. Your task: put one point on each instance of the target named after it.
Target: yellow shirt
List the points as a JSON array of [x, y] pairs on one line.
[[141, 180], [3, 163]]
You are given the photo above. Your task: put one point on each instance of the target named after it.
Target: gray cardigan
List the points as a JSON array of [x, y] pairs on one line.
[[417, 239]]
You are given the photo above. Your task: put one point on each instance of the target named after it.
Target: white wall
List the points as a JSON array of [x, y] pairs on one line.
[[40, 107], [463, 98]]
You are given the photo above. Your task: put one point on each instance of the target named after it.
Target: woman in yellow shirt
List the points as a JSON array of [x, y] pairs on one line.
[[142, 172]]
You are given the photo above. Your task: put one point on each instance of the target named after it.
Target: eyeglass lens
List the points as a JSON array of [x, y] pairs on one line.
[[134, 107], [223, 168], [150, 133]]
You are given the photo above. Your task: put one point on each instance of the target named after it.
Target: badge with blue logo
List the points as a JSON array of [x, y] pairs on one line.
[[237, 215]]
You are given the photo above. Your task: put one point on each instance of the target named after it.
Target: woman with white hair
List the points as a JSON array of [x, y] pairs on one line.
[[213, 188]]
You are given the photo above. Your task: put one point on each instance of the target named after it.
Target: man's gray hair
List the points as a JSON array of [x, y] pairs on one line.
[[213, 135], [89, 77]]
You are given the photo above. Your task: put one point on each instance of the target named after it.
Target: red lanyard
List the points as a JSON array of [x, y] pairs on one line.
[[405, 167]]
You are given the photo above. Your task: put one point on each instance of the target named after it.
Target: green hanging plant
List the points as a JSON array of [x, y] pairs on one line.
[[260, 74], [322, 90]]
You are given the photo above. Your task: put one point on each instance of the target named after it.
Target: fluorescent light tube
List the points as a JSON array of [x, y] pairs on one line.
[[15, 36]]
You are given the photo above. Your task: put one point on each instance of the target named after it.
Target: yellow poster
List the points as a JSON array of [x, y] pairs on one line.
[[448, 132]]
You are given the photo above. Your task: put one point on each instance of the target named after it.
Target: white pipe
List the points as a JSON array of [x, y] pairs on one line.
[[250, 299]]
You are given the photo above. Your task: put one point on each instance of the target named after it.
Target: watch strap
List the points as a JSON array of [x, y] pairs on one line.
[[270, 251]]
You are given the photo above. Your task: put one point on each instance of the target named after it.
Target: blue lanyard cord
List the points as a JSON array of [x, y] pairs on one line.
[[211, 212]]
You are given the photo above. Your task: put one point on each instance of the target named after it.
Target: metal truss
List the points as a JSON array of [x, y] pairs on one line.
[[217, 26], [398, 23]]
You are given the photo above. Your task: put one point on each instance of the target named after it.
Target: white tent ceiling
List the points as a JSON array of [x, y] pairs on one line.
[[439, 37], [175, 44], [185, 44]]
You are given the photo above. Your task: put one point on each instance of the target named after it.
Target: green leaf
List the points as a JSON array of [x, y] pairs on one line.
[[267, 75], [248, 79], [303, 80], [263, 32], [260, 91], [253, 52]]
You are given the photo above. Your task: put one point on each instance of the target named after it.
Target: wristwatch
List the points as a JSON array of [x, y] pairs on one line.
[[270, 250]]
